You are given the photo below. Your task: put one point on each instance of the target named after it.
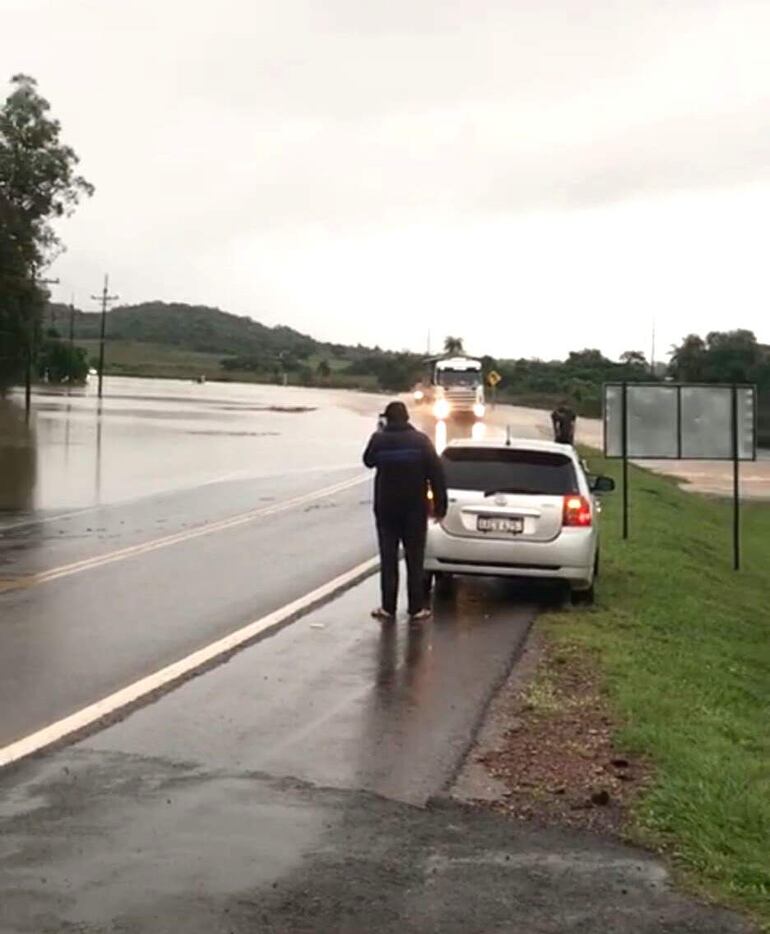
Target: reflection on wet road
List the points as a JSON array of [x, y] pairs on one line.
[[139, 531], [338, 700], [186, 518], [159, 436], [18, 461], [237, 801]]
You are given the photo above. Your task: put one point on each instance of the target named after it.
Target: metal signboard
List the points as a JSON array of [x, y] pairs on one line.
[[682, 421], [665, 421]]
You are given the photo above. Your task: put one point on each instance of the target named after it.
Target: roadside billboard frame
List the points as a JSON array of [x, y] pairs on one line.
[[734, 430]]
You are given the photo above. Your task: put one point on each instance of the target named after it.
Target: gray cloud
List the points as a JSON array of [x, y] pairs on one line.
[[205, 126]]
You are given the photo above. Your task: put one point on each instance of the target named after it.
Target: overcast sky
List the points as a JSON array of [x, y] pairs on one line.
[[534, 175]]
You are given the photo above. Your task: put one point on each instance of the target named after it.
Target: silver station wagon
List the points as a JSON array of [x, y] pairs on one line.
[[518, 508]]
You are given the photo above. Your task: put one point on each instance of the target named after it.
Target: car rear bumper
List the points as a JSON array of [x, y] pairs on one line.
[[569, 558]]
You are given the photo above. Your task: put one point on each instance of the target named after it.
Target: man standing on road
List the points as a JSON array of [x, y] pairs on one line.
[[563, 419], [407, 467]]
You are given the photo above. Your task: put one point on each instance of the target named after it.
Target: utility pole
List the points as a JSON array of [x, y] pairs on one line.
[[72, 358], [652, 353], [106, 299], [72, 322], [30, 351]]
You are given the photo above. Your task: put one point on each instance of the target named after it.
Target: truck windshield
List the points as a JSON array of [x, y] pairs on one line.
[[458, 378], [508, 470]]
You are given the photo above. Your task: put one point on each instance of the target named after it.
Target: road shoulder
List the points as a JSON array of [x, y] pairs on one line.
[[546, 750], [218, 850], [544, 760]]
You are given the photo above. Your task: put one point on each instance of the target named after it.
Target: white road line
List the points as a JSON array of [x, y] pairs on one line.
[[209, 528], [127, 696]]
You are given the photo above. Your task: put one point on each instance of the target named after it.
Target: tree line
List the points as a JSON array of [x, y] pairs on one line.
[[39, 184]]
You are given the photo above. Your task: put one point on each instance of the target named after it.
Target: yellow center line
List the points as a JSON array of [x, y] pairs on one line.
[[209, 528]]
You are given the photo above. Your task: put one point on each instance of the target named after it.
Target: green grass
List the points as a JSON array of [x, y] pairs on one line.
[[135, 358], [143, 358], [684, 645]]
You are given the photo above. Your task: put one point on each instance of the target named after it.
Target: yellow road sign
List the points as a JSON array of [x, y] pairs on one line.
[[494, 378]]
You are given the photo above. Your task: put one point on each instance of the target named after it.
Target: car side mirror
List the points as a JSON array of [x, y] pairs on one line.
[[602, 484]]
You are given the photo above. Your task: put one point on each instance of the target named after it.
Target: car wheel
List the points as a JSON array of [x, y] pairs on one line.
[[584, 597]]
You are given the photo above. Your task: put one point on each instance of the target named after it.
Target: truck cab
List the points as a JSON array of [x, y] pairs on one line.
[[458, 388]]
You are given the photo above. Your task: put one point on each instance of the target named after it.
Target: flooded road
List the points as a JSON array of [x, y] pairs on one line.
[[275, 791], [158, 436], [138, 530], [300, 784]]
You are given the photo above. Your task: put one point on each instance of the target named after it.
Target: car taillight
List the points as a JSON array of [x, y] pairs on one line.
[[577, 511]]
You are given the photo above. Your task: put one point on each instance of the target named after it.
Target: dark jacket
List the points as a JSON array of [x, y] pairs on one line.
[[563, 419], [407, 464]]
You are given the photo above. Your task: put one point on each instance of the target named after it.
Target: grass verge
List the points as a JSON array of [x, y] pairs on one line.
[[683, 645], [163, 361]]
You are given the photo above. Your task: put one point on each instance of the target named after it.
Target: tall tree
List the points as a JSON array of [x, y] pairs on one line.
[[732, 356], [634, 358], [454, 345], [38, 185], [688, 360], [590, 358]]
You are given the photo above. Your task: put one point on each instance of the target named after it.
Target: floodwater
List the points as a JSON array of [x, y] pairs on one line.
[[156, 436], [152, 436]]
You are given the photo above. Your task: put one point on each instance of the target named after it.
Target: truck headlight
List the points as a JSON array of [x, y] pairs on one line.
[[442, 409], [479, 409], [419, 395]]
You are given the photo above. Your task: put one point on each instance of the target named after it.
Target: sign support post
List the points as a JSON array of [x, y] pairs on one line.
[[624, 442], [736, 483]]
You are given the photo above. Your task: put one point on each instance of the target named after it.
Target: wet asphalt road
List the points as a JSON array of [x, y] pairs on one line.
[[100, 844], [300, 786], [271, 531], [340, 701], [67, 642], [161, 520]]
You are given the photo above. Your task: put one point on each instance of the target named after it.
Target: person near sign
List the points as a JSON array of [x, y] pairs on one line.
[[408, 469], [563, 419]]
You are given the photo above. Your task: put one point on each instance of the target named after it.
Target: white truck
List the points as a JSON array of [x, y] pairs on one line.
[[458, 388]]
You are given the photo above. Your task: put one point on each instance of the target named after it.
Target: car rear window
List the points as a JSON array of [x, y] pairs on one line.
[[509, 470]]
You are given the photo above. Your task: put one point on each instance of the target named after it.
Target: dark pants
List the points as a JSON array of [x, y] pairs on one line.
[[409, 530], [564, 433]]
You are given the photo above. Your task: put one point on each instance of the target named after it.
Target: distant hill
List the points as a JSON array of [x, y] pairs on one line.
[[189, 327], [159, 339]]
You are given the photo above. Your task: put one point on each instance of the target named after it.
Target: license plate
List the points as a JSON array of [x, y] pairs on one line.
[[514, 525]]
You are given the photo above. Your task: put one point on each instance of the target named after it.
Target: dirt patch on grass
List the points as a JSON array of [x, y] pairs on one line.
[[547, 752]]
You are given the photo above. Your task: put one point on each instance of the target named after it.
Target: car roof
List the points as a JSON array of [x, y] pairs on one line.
[[516, 444]]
